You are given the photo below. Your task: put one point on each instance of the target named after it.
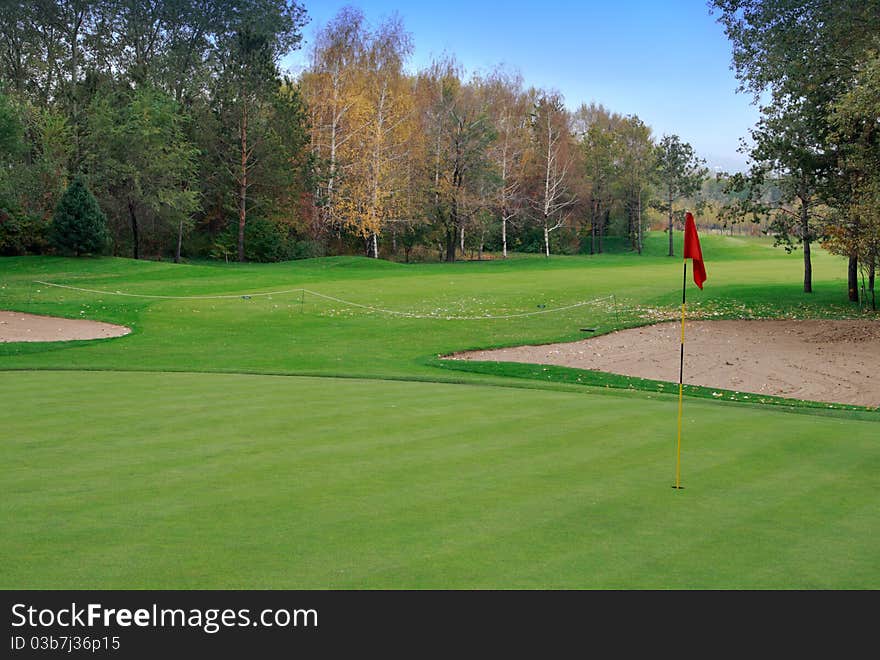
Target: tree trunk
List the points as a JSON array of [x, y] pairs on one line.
[[504, 191], [639, 220], [331, 178], [452, 228], [179, 241], [671, 250], [853, 278], [594, 213], [450, 244], [805, 237], [631, 227], [242, 201], [74, 77], [134, 231], [602, 222], [546, 239], [872, 271], [808, 268], [377, 156]]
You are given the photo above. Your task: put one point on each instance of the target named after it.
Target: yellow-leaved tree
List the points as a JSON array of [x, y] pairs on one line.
[[374, 187], [331, 88]]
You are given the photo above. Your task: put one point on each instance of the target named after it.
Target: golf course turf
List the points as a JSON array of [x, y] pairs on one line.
[[306, 442]]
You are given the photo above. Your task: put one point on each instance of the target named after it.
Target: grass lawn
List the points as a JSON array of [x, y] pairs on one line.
[[319, 461], [233, 481]]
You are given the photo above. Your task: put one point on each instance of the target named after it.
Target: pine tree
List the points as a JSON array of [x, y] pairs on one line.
[[79, 226]]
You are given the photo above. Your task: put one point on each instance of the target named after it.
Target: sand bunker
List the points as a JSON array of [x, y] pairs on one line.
[[817, 360], [17, 326]]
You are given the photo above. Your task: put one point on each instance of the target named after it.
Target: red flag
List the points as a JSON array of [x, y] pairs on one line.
[[692, 249]]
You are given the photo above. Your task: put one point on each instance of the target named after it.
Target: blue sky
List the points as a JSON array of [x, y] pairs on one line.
[[666, 61]]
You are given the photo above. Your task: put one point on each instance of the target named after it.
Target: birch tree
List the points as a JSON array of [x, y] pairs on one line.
[[331, 90], [389, 117], [554, 162], [509, 112]]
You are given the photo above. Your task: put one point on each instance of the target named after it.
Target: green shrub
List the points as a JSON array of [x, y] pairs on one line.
[[309, 249], [79, 226], [21, 234]]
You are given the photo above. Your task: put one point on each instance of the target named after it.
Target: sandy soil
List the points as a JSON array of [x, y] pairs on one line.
[[822, 360], [17, 326]]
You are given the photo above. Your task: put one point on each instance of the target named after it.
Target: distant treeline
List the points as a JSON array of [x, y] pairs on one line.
[[177, 116]]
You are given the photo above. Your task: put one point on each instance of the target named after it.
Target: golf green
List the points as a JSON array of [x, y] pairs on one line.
[[135, 480]]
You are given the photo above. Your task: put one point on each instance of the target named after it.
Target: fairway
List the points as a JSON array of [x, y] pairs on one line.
[[300, 441]]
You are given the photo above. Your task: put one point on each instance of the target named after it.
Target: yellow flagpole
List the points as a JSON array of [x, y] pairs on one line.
[[680, 380]]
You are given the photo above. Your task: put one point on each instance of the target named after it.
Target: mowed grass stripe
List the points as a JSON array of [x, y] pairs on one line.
[[127, 480]]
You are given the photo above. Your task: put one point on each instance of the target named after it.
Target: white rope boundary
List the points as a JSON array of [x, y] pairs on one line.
[[144, 295], [349, 303]]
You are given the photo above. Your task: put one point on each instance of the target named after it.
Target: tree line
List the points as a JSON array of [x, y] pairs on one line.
[[174, 112], [450, 162], [177, 117]]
